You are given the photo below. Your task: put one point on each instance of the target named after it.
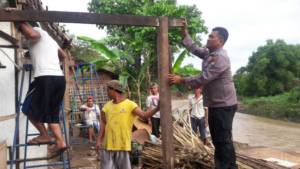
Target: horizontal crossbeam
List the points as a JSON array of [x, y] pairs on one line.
[[84, 18]]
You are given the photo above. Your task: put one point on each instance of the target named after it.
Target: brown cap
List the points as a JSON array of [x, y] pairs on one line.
[[115, 85]]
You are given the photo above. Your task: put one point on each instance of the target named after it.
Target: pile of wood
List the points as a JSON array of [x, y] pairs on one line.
[[191, 153]]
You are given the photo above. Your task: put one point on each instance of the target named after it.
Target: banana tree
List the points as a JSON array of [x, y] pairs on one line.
[[119, 64], [187, 70]]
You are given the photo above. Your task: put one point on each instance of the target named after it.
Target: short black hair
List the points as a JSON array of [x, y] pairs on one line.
[[33, 23], [222, 32]]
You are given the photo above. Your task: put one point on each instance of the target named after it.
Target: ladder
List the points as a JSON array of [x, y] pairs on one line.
[[14, 149], [85, 82]]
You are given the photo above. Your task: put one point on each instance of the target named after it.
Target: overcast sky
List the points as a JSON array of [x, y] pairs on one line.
[[249, 22]]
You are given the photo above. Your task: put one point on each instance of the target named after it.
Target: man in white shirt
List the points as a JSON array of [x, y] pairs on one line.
[[46, 92], [152, 103], [91, 117], [199, 114]]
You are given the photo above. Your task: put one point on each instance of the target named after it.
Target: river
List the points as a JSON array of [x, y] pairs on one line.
[[259, 131]]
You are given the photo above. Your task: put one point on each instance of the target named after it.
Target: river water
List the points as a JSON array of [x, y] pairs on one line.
[[259, 131]]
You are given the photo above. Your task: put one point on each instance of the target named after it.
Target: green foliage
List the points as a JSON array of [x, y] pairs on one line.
[[121, 65], [284, 106], [82, 52], [188, 70], [179, 61], [111, 59], [101, 48], [140, 42], [272, 69], [294, 96]]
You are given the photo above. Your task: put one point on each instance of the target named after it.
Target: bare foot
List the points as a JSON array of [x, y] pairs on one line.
[[60, 144]]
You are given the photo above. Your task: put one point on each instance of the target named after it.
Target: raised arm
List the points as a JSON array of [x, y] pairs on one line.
[[62, 54], [145, 115], [214, 70], [190, 45], [29, 32], [25, 28]]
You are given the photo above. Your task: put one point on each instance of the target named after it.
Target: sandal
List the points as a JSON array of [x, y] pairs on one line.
[[61, 150], [39, 140]]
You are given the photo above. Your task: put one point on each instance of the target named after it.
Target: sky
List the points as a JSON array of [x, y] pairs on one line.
[[249, 22]]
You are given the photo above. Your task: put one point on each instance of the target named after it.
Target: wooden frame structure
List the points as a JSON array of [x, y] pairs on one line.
[[161, 23]]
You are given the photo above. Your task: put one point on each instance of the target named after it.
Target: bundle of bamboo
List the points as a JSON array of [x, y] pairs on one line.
[[191, 153]]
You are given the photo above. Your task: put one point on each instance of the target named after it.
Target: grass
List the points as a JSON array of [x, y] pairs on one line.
[[277, 107]]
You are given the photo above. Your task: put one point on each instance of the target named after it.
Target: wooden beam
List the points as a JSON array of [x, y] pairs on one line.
[[165, 99], [83, 17], [3, 154], [8, 37], [9, 46], [78, 17]]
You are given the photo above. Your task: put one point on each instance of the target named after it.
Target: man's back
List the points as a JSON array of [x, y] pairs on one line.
[[44, 54]]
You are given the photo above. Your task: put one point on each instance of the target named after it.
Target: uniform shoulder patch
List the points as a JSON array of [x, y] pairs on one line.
[[213, 60]]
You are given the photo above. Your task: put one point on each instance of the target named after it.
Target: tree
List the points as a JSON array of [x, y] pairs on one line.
[[272, 69], [113, 60], [140, 42]]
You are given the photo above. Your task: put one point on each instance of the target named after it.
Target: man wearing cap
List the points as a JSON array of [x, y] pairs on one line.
[[152, 103], [91, 116], [117, 117], [219, 92]]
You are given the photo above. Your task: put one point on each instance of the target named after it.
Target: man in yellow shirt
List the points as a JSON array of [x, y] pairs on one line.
[[117, 118]]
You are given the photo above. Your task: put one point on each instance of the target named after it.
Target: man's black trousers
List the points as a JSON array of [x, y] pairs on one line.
[[220, 124]]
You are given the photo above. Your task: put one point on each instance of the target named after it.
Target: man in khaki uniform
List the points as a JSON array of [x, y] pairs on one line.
[[218, 91]]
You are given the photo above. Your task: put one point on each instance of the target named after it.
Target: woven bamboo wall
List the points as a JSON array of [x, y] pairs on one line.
[[79, 92]]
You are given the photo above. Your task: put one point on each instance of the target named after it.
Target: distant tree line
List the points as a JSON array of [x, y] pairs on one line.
[[273, 69]]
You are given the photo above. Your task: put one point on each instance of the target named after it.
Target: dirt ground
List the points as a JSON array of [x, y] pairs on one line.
[[287, 159], [84, 156]]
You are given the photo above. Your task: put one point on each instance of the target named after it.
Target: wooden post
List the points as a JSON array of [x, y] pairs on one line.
[[3, 155], [67, 106], [165, 94]]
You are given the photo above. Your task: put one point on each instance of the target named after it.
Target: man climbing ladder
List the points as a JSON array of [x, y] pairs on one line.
[[47, 90]]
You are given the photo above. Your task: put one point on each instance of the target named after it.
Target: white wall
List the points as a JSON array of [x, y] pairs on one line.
[[7, 99], [7, 88]]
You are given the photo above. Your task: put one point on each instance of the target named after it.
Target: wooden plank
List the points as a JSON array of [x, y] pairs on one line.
[[176, 22], [84, 17], [9, 46], [78, 17], [8, 37], [165, 99], [7, 117], [3, 155]]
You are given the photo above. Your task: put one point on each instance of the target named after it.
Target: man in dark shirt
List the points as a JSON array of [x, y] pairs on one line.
[[219, 92]]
